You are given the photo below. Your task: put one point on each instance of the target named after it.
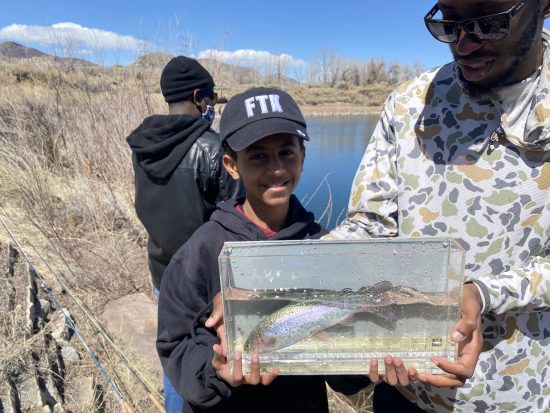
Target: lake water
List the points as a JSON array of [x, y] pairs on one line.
[[332, 156]]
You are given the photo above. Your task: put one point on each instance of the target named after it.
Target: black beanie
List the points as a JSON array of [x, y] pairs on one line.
[[181, 76]]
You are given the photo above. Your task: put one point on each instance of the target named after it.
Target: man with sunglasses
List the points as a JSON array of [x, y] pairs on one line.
[[463, 151], [179, 176]]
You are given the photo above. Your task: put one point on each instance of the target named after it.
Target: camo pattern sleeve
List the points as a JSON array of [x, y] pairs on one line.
[[518, 289], [372, 207]]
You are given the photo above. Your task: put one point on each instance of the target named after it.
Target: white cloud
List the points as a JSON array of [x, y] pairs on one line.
[[62, 34], [248, 57]]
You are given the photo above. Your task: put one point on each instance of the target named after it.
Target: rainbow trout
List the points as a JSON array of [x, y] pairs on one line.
[[302, 319]]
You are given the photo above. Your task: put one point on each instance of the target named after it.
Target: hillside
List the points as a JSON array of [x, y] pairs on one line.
[[18, 53], [12, 50]]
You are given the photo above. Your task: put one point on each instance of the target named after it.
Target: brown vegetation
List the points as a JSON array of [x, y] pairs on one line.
[[66, 192]]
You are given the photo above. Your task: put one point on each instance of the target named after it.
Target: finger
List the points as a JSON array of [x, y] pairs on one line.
[[254, 376], [464, 368], [470, 308], [401, 372], [440, 380], [221, 336], [464, 328], [413, 375], [237, 369], [267, 379], [374, 376], [390, 376], [216, 316], [217, 350], [219, 362]]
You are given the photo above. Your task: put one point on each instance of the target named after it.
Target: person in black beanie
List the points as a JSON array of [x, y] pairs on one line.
[[179, 177]]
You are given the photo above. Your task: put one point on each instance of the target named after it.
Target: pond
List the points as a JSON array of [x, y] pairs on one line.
[[332, 156]]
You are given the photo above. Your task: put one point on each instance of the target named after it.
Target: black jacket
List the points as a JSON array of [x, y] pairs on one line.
[[179, 179], [185, 345]]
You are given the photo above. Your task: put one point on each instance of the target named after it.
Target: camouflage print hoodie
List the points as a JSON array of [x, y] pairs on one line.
[[443, 163]]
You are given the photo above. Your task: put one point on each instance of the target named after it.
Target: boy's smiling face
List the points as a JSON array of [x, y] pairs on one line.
[[269, 169]]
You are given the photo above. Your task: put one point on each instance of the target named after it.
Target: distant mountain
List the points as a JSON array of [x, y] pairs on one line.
[[12, 50], [223, 73], [18, 51]]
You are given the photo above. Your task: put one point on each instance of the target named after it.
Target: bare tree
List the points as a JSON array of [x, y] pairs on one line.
[[336, 69], [417, 68], [374, 72], [325, 64], [398, 73], [281, 68], [218, 63]]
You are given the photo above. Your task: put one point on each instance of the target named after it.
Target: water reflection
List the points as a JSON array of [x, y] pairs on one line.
[[332, 156]]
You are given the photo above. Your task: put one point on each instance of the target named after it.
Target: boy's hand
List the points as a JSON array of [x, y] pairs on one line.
[[215, 321], [395, 372], [219, 362], [467, 333]]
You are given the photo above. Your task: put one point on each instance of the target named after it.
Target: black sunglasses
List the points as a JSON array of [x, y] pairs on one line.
[[214, 98], [481, 29], [209, 94]]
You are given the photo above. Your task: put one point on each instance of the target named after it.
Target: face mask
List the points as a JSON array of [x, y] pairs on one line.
[[210, 114]]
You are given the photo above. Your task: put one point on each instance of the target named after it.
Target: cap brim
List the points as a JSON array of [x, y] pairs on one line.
[[262, 128]]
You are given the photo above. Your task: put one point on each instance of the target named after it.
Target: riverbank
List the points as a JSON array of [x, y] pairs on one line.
[[339, 110]]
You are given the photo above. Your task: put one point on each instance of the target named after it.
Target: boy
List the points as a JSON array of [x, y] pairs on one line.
[[262, 132]]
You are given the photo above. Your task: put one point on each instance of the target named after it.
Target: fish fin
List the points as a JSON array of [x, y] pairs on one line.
[[379, 287], [385, 313], [320, 335], [348, 320], [383, 286]]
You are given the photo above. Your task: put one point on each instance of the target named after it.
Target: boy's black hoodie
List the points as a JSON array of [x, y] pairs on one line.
[[179, 179], [185, 345]]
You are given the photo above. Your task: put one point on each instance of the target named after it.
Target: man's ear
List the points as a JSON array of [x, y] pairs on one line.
[[303, 157], [197, 97], [230, 166]]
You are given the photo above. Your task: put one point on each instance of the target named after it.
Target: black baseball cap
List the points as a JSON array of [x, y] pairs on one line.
[[257, 113]]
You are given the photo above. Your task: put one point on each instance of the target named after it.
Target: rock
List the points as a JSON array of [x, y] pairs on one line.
[[133, 320], [45, 308], [70, 355], [28, 392], [61, 332], [58, 408], [87, 394]]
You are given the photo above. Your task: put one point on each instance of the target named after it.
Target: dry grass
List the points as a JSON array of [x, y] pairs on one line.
[[66, 186]]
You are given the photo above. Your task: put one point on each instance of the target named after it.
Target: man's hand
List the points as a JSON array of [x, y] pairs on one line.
[[215, 321], [467, 333], [237, 379]]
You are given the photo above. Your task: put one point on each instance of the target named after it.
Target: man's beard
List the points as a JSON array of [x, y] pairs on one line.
[[524, 46]]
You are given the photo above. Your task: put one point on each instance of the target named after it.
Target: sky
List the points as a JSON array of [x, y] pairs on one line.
[[110, 32]]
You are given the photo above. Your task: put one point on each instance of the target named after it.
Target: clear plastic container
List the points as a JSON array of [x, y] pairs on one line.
[[329, 307]]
